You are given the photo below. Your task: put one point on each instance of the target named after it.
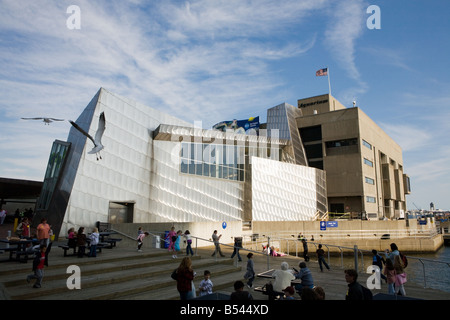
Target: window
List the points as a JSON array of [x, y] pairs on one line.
[[341, 143], [370, 199], [370, 180], [309, 134], [366, 144], [215, 161], [368, 162]]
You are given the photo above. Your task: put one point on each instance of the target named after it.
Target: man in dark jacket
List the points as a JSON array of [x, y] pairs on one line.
[[355, 290]]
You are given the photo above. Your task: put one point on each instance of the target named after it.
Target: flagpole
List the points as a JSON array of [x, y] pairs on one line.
[[329, 85]]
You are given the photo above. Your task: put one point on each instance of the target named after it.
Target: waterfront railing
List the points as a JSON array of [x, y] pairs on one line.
[[336, 256]]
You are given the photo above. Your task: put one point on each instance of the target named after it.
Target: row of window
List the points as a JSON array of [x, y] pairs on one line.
[[220, 161]]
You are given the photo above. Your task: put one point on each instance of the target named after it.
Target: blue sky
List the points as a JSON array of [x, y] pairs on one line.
[[217, 60]]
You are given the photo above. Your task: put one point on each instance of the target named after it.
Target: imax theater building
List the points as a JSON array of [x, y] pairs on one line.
[[157, 171]]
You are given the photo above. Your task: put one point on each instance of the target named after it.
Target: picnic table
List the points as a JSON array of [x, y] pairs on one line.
[[19, 249], [105, 243]]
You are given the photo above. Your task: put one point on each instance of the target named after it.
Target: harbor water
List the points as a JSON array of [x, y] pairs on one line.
[[432, 270]]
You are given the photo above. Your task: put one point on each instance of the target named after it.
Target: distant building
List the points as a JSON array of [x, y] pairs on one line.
[[363, 165]]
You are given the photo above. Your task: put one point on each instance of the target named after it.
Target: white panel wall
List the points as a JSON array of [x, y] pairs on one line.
[[136, 168], [282, 191]]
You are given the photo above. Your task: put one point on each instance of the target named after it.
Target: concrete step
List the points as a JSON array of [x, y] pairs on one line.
[[91, 267], [222, 280], [108, 279]]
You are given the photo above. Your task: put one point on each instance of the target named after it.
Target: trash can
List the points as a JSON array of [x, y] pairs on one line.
[[166, 243], [157, 240]]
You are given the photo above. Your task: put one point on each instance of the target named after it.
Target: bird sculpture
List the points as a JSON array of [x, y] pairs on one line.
[[97, 140], [46, 121]]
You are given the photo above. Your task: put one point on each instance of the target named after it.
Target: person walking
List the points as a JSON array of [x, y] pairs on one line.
[[250, 273], [321, 258], [40, 260], [237, 246], [216, 239], [172, 237], [176, 245], [187, 236], [400, 276], [140, 240], [378, 261], [394, 252], [305, 250], [390, 274], [185, 276]]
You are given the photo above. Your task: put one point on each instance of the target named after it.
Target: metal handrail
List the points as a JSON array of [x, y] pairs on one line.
[[356, 251]]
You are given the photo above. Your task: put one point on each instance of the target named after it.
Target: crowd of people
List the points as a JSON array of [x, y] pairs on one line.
[[293, 284], [285, 283]]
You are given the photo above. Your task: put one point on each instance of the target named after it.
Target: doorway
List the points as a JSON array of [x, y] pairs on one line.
[[120, 212]]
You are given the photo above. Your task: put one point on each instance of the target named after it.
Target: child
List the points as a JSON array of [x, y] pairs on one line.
[[389, 272], [400, 277], [176, 245], [71, 236], [289, 293], [250, 273], [81, 242], [206, 284], [39, 261], [172, 237], [187, 235], [95, 238], [140, 240]]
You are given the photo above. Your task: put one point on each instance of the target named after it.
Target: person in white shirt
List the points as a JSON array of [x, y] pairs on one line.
[[283, 278]]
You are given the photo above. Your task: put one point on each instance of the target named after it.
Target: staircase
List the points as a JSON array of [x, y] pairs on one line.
[[119, 273]]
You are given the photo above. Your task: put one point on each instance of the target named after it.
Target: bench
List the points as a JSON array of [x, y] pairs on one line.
[[111, 241], [11, 252], [23, 256], [66, 248]]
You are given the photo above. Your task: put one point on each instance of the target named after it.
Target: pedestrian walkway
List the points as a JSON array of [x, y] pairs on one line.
[[122, 273]]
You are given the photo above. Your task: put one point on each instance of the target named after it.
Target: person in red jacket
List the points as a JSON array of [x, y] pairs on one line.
[[38, 266], [185, 275]]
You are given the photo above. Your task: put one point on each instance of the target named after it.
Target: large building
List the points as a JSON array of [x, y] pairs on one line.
[[156, 168], [363, 165]]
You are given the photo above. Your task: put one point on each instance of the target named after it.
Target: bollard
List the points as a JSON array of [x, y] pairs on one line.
[[9, 236], [157, 242], [355, 249]]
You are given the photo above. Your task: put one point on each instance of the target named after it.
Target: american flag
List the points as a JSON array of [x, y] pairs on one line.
[[322, 72]]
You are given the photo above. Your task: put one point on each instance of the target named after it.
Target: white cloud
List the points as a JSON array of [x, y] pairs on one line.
[[346, 26]]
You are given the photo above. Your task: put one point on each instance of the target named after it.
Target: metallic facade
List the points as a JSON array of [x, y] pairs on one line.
[[157, 168]]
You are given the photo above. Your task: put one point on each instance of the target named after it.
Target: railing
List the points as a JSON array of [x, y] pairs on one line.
[[329, 234], [356, 254]]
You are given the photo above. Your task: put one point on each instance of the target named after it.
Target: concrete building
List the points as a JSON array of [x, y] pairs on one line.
[[363, 165], [156, 168]]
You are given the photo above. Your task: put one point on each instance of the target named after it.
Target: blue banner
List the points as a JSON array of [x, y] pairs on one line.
[[239, 126]]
